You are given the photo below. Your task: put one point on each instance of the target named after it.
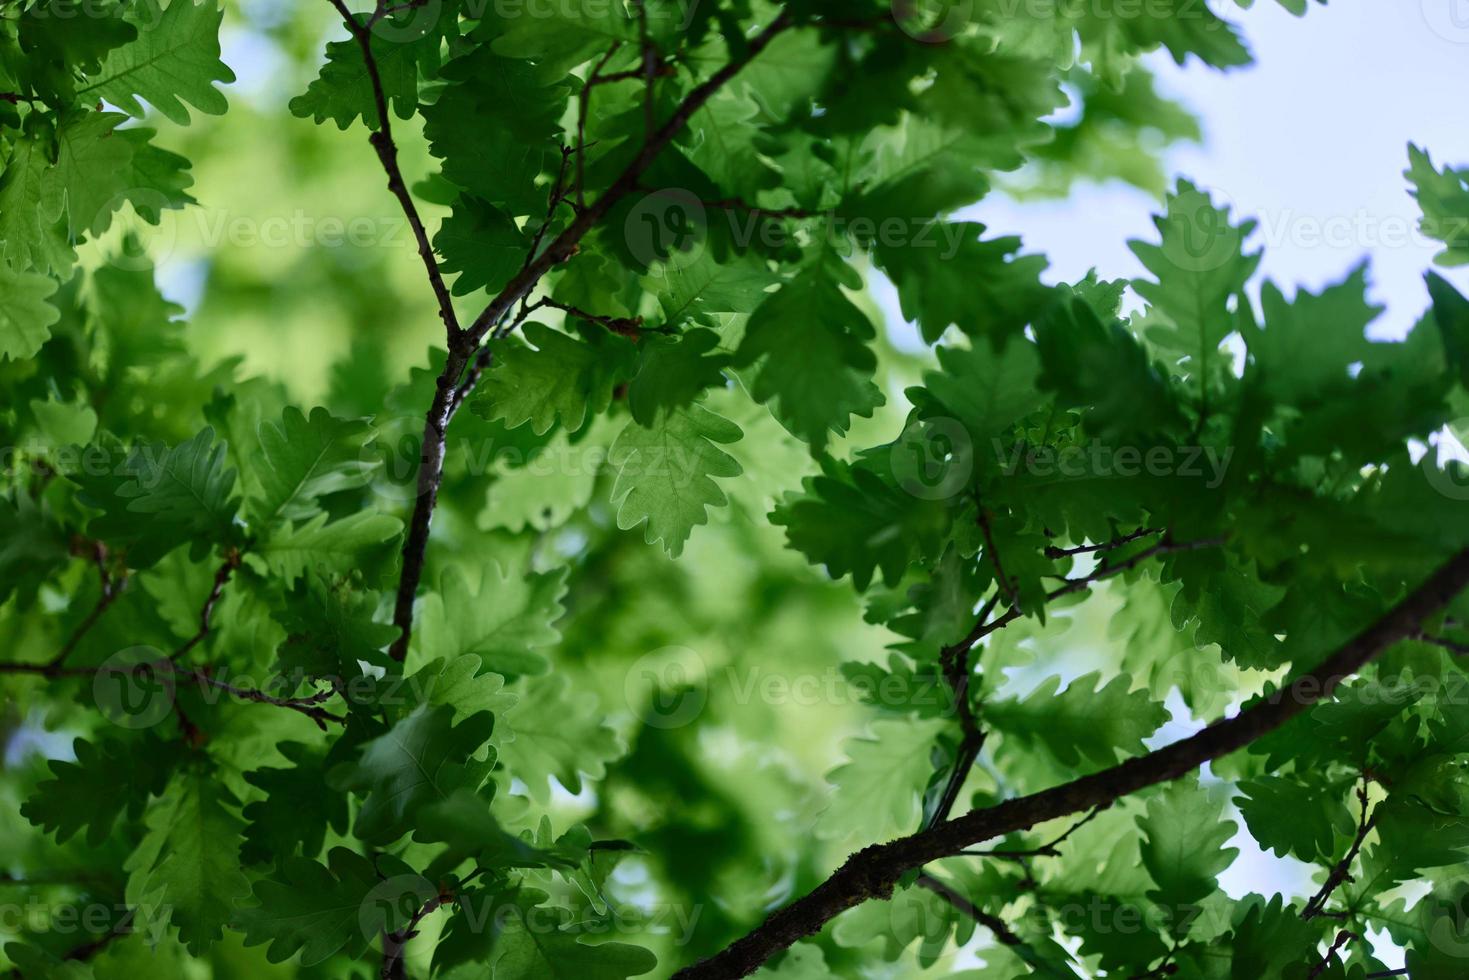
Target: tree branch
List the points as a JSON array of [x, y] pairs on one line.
[[1452, 646], [1054, 552], [1342, 938], [450, 394], [310, 705], [206, 612], [997, 926], [583, 109], [1341, 872], [955, 658], [395, 943], [993, 923], [1051, 849], [873, 871], [111, 589], [387, 154]]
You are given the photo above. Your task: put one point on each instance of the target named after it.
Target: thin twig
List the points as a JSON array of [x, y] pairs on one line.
[[584, 108], [1341, 872], [627, 327], [1454, 647], [387, 154], [111, 588], [206, 612], [1050, 849], [394, 943], [1070, 586], [1054, 552], [310, 705], [1003, 933], [1006, 586], [1342, 938]]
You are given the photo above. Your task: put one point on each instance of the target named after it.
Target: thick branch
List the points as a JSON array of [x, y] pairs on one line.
[[874, 871], [449, 393]]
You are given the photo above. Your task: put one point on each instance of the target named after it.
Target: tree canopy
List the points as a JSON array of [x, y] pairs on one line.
[[495, 530]]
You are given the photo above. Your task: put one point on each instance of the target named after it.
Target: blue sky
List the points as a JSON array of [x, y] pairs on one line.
[[1312, 140]]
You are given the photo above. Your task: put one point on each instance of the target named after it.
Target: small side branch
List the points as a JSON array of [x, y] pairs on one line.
[[1086, 549], [111, 588], [395, 943], [1002, 932], [387, 154], [1341, 872], [206, 612]]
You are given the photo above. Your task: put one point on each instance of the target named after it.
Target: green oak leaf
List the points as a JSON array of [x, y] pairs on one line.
[[421, 759], [666, 473], [174, 60]]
